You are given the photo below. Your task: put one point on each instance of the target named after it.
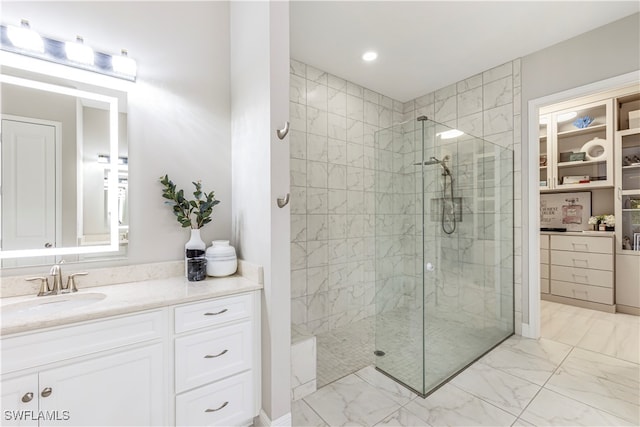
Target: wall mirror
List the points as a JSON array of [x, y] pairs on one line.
[[64, 170]]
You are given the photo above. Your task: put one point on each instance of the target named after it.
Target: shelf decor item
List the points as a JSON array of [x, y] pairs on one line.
[[577, 157], [221, 259], [195, 214], [565, 210], [583, 122]]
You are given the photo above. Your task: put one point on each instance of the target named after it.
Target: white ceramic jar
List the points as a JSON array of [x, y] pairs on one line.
[[221, 259]]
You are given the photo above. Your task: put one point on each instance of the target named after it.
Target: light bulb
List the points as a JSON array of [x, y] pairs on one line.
[[79, 52], [124, 65], [369, 56], [25, 38]]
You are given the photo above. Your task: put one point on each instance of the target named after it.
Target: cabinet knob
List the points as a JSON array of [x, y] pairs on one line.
[[46, 392], [215, 314], [218, 408], [211, 356], [28, 397]]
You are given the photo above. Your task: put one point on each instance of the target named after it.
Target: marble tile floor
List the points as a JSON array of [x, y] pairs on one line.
[[583, 371]]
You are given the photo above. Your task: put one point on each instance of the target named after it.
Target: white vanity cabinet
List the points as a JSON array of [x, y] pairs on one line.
[[107, 372], [217, 377], [196, 363]]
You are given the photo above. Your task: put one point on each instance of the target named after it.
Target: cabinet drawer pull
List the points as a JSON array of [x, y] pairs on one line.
[[211, 356], [27, 397], [215, 314], [580, 260], [46, 392], [217, 409]]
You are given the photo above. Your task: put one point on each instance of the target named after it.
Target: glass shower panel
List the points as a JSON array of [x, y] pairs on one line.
[[444, 251], [398, 247]]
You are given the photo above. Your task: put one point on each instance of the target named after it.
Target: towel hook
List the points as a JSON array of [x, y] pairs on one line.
[[284, 131]]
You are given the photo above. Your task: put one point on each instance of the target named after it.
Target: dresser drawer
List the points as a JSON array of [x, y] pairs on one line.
[[582, 260], [229, 402], [602, 245], [544, 271], [208, 356], [544, 241], [583, 292], [585, 276], [213, 312], [544, 256]]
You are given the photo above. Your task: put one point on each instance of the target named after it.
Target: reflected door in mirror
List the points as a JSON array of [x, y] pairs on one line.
[[28, 186]]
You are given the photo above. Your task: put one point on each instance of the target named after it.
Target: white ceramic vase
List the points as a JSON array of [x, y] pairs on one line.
[[221, 259], [194, 257]]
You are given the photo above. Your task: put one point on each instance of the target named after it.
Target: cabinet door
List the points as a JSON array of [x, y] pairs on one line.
[[125, 388], [20, 401]]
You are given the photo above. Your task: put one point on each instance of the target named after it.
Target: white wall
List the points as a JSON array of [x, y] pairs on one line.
[[179, 108], [605, 52], [260, 174]]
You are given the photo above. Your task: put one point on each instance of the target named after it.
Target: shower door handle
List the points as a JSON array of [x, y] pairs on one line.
[[284, 131]]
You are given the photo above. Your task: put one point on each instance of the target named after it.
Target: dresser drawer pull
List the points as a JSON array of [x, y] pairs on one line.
[[580, 260], [211, 356], [27, 397], [217, 409], [579, 275], [215, 314], [579, 244], [46, 392]]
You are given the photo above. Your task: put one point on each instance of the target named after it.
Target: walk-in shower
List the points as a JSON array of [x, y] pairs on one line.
[[443, 251]]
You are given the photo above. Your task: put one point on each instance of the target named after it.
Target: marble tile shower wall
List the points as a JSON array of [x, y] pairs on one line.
[[477, 265], [333, 123]]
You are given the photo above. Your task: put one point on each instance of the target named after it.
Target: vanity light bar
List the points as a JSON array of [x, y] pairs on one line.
[[24, 41]]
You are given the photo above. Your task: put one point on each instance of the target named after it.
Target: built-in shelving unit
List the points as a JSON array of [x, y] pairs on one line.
[[627, 203], [560, 138]]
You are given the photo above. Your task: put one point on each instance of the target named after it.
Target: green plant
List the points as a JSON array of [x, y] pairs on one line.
[[189, 213]]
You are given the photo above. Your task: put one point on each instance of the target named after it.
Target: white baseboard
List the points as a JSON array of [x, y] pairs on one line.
[[264, 421], [526, 331]]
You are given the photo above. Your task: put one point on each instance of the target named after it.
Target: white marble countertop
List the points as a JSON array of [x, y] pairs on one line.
[[589, 233], [119, 299]]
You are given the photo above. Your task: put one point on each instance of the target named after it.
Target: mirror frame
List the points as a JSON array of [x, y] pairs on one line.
[[112, 180]]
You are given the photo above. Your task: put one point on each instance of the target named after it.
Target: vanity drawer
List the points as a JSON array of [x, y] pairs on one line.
[[585, 276], [544, 271], [583, 292], [603, 245], [208, 356], [544, 256], [213, 312], [582, 260], [229, 402], [40, 348]]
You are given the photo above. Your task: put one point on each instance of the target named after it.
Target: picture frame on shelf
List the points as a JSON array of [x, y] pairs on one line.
[[565, 210]]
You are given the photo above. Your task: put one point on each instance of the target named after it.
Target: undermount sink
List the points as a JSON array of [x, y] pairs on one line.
[[51, 304]]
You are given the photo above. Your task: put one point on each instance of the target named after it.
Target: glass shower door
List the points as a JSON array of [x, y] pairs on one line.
[[444, 251]]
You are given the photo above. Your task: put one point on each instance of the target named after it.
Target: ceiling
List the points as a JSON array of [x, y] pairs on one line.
[[427, 45]]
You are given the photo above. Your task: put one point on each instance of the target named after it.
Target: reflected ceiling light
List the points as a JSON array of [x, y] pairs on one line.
[[24, 37], [369, 56], [450, 134], [79, 52], [123, 64], [26, 42]]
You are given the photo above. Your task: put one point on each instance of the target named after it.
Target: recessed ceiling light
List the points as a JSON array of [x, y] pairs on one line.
[[369, 56]]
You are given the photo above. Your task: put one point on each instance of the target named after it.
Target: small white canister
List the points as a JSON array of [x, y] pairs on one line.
[[221, 259]]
